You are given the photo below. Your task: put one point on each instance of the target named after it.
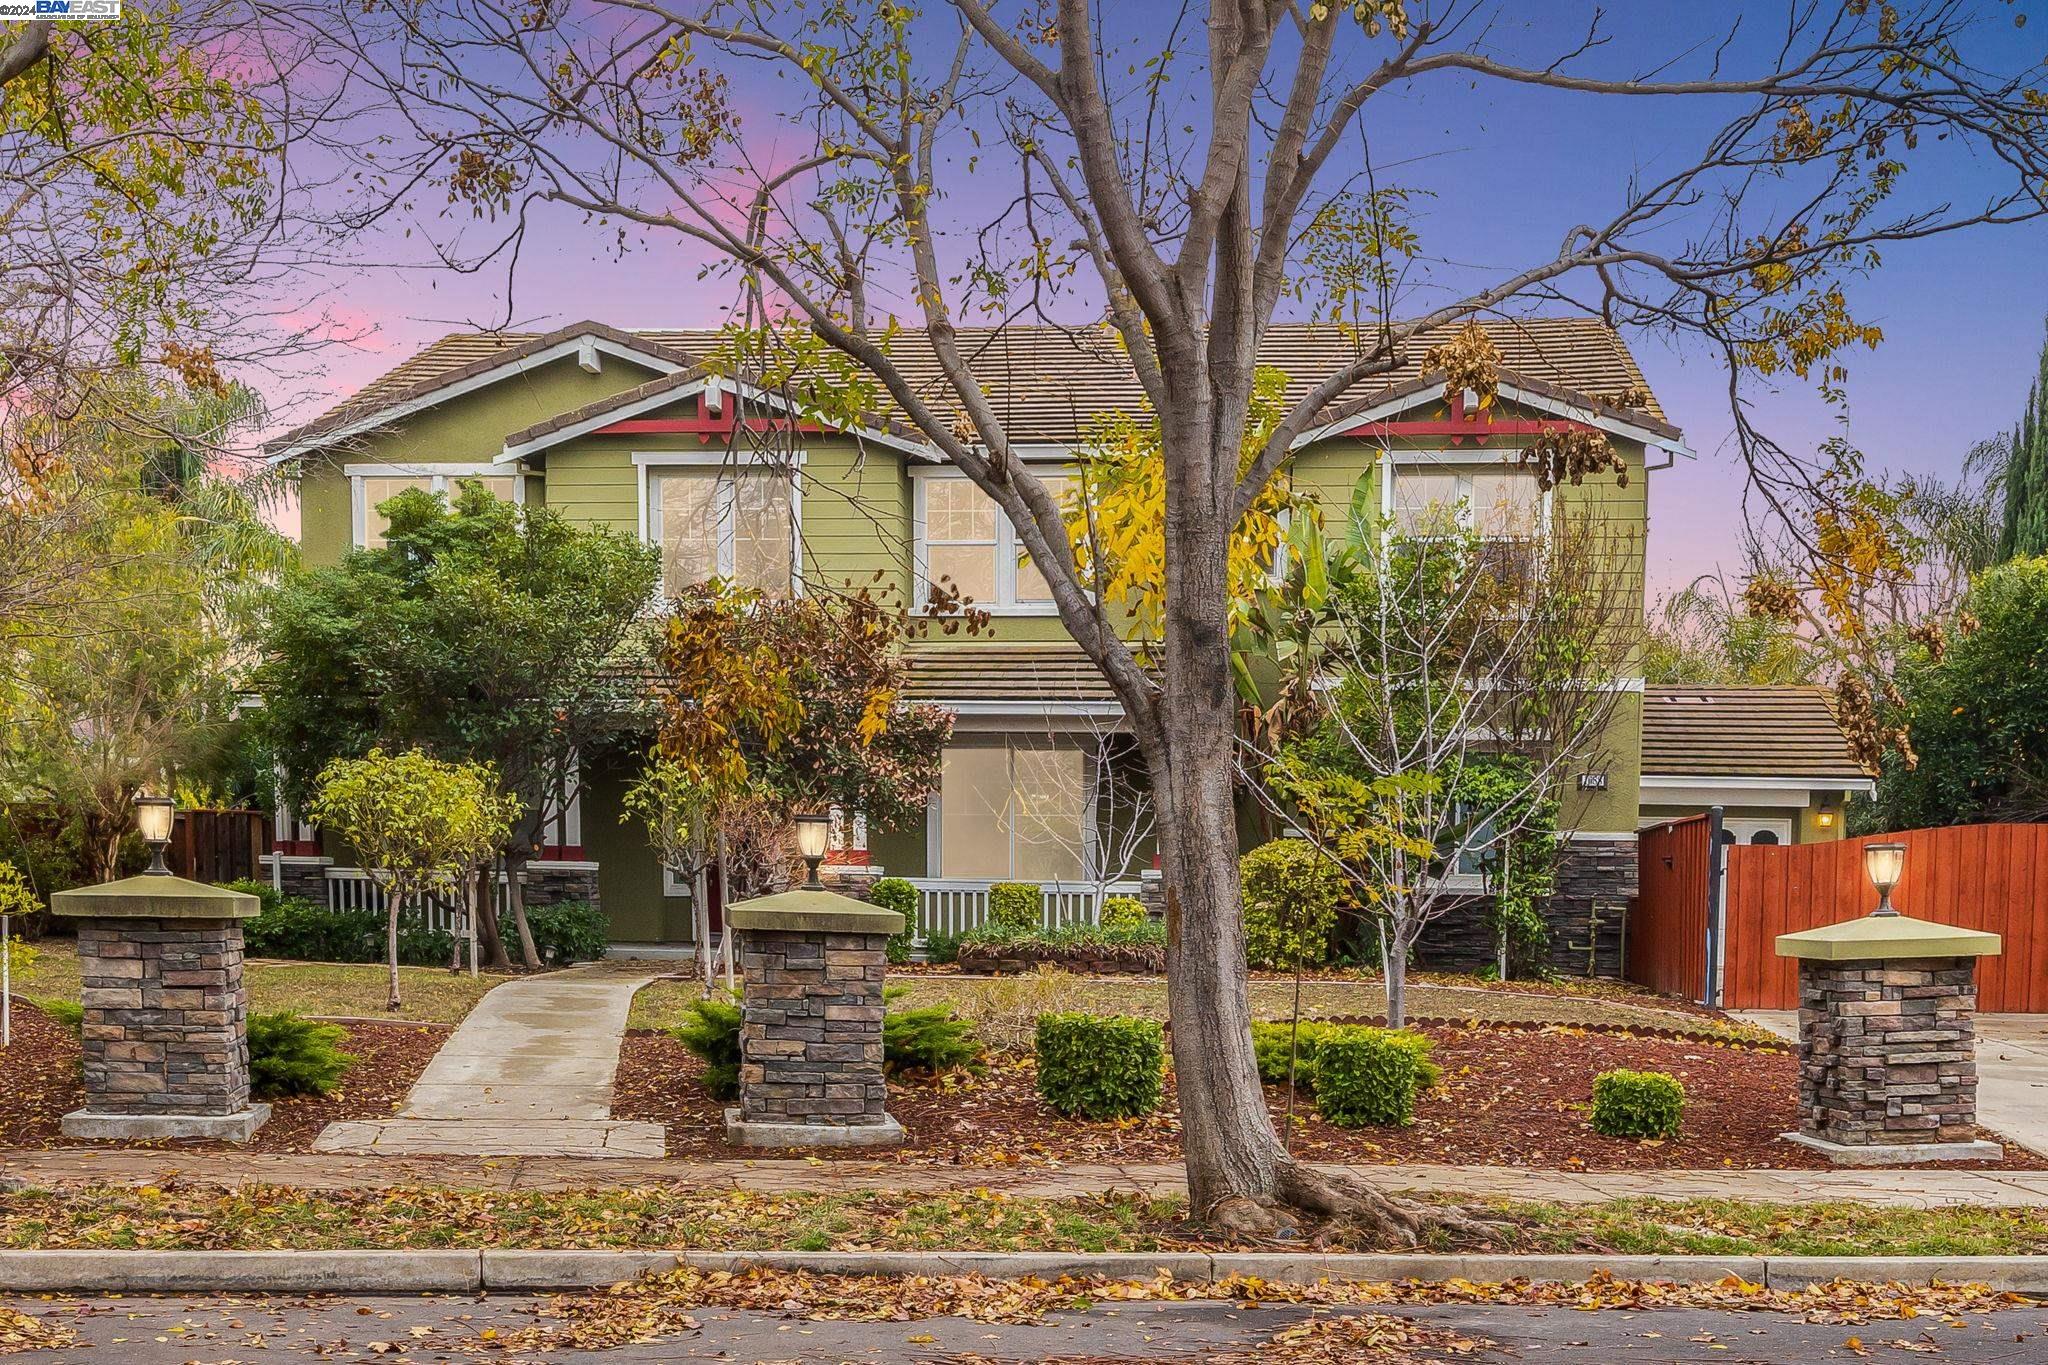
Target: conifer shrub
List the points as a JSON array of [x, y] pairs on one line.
[[1096, 1066], [290, 1054], [711, 1030], [931, 1038]]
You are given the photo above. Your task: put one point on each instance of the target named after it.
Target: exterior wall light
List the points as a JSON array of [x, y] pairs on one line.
[[1824, 818], [153, 817], [1884, 863], [813, 832]]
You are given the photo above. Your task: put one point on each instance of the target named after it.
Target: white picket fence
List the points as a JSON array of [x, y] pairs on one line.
[[351, 888], [955, 905]]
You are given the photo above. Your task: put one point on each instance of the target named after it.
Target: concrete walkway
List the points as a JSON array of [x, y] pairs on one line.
[[529, 1072], [233, 1170], [2012, 1071]]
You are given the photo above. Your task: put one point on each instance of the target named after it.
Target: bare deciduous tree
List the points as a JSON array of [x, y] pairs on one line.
[[1189, 185]]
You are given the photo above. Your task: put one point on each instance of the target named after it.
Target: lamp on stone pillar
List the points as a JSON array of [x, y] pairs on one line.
[[1885, 863], [813, 833], [154, 816]]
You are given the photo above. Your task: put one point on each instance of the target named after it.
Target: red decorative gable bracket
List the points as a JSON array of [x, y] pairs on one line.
[[1458, 427], [707, 425]]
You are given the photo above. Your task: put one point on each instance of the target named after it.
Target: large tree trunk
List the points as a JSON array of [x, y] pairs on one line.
[[491, 941], [515, 885]]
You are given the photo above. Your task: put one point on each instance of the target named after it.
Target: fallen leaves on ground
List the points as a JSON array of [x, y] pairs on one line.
[[19, 1332], [662, 1305]]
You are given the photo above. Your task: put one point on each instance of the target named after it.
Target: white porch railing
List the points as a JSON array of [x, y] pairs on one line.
[[953, 905], [351, 888]]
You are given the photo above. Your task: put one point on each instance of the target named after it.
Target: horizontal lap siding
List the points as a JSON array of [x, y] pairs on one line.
[[1990, 877]]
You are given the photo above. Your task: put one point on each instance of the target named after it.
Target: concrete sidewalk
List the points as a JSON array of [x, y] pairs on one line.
[[232, 1170], [2012, 1070], [529, 1072]]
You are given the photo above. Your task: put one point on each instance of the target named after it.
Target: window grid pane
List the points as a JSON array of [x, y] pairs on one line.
[[764, 534], [380, 488], [686, 526]]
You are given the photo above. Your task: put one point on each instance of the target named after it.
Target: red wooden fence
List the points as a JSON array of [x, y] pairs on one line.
[[218, 845], [1991, 877], [1667, 930]]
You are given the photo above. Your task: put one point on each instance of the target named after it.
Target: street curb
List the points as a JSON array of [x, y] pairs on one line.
[[469, 1272]]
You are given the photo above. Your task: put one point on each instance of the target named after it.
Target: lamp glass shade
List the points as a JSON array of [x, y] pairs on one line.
[[1884, 863], [153, 817], [812, 832]]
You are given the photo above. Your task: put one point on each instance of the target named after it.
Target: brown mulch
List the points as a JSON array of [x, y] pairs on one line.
[[40, 1083], [1509, 1097]]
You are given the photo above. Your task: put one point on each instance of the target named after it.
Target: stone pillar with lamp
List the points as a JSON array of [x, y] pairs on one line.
[[165, 1033], [811, 1014], [1887, 1032]]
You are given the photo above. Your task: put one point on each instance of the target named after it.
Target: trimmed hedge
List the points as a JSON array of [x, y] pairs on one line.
[[1124, 913], [1369, 1075], [297, 929], [895, 893], [1275, 1044], [573, 931], [1095, 1066], [1018, 907], [1637, 1104], [290, 1054], [1291, 895]]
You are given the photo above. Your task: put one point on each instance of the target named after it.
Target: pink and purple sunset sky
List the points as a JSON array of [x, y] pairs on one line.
[[1506, 172]]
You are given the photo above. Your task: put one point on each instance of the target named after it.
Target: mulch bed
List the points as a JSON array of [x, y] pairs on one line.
[[1510, 1097], [40, 1083]]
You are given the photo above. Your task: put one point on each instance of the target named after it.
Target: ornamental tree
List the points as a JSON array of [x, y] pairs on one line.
[[416, 822], [1169, 199]]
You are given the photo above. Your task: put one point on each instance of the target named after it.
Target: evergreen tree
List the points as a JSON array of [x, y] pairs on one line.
[[2026, 481]]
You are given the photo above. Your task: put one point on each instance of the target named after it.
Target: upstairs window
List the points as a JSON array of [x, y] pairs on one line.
[[370, 486], [966, 543], [1503, 506], [739, 525]]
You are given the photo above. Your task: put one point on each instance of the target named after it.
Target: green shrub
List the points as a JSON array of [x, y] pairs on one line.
[[299, 930], [290, 1054], [1144, 934], [69, 1013], [1096, 1066], [573, 931], [928, 1039], [712, 1031], [1291, 895], [1637, 1104], [942, 948], [1275, 1044], [895, 893], [1123, 912], [1016, 906], [1368, 1075], [267, 896]]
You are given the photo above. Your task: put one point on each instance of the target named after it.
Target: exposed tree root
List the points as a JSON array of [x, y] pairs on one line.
[[1369, 1216]]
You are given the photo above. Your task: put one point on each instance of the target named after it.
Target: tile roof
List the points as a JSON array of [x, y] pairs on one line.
[[1787, 732], [1046, 382], [949, 672]]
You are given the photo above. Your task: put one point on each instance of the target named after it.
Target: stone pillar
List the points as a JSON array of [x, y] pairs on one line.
[[811, 1031], [166, 1028], [1888, 1041]]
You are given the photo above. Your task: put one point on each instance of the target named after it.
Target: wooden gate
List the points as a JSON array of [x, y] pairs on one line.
[[1991, 877], [1670, 931], [218, 845]]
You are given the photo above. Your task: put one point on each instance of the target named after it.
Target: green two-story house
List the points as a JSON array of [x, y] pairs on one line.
[[628, 430]]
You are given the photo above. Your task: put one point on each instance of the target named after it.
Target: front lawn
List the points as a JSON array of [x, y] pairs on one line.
[[340, 990], [1001, 1000], [684, 1219]]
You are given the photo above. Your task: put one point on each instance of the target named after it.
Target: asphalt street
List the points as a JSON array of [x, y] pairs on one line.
[[223, 1331]]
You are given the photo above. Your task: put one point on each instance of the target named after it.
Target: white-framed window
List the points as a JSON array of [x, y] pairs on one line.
[[673, 885], [1500, 503], [714, 517], [1012, 808], [963, 539], [370, 485]]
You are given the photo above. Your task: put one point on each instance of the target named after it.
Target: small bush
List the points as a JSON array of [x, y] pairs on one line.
[[267, 896], [1275, 1044], [894, 893], [1368, 1075], [290, 1054], [1018, 907], [928, 1039], [69, 1013], [712, 1031], [1095, 1066], [299, 930], [1124, 913], [1291, 895], [574, 931], [1637, 1104], [942, 948]]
